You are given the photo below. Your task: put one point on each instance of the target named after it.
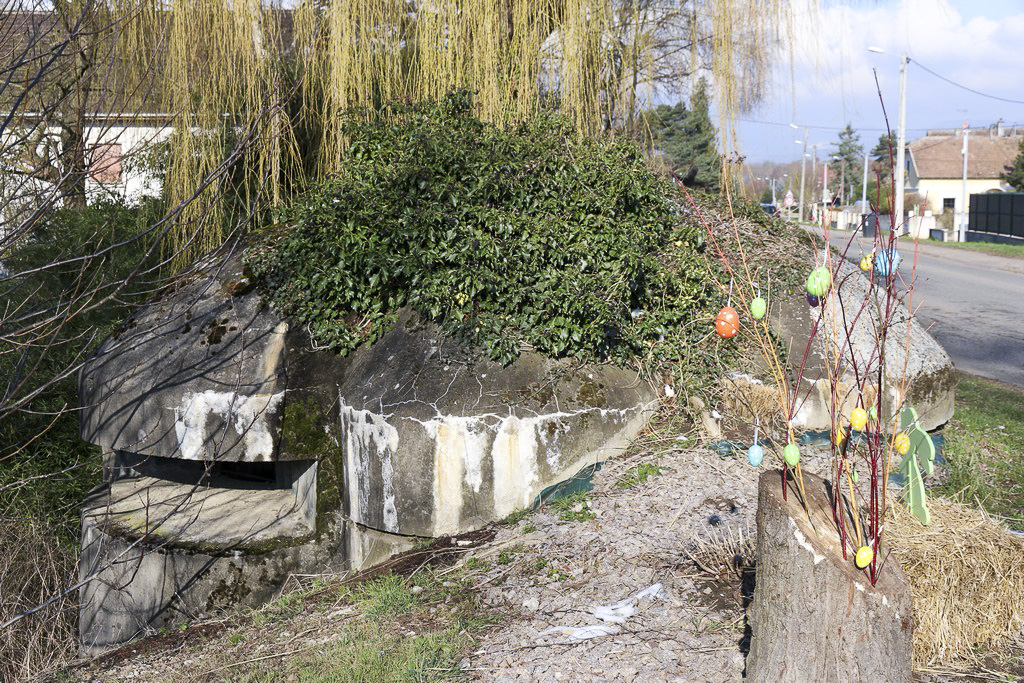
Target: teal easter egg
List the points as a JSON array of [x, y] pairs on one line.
[[755, 454], [888, 262]]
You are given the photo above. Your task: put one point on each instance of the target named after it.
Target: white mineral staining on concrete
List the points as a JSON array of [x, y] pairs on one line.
[[450, 443], [514, 456], [246, 414], [460, 445], [273, 352], [513, 445], [552, 450], [365, 435]]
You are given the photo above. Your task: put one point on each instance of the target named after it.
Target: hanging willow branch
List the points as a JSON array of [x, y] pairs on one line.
[[598, 61]]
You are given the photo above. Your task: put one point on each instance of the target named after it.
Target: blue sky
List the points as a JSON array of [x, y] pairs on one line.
[[830, 80]]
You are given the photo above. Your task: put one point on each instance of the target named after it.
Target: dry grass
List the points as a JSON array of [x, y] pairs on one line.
[[724, 555], [752, 403], [967, 577], [33, 567]]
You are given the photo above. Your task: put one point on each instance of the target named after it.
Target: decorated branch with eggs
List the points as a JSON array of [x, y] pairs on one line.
[[851, 301]]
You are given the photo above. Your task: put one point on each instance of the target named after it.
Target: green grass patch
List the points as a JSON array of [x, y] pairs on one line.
[[397, 635], [388, 596], [1008, 250], [985, 448], [635, 476], [574, 508]]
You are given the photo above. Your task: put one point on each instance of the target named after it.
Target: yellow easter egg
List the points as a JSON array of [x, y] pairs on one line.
[[859, 419], [840, 436], [901, 443], [866, 264], [864, 556]]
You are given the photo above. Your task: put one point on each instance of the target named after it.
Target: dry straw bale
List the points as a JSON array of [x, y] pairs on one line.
[[967, 576]]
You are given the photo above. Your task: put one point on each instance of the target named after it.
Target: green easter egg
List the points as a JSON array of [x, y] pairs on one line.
[[758, 307], [819, 281], [791, 454]]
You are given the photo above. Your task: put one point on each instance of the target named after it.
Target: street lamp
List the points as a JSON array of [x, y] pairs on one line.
[[901, 141], [803, 170]]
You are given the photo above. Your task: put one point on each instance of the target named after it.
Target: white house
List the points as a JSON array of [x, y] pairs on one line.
[[935, 167]]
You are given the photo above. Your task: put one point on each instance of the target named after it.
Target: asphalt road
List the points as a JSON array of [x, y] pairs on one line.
[[972, 303]]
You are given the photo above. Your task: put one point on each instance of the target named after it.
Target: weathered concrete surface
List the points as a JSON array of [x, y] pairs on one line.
[[241, 446], [437, 441], [199, 374], [135, 585], [918, 370]]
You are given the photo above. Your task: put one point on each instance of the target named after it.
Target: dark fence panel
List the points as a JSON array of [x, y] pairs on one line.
[[997, 213]]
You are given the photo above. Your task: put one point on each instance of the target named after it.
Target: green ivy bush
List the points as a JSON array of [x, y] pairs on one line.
[[96, 252], [504, 236]]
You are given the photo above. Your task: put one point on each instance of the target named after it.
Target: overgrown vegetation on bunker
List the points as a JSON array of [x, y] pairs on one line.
[[507, 237]]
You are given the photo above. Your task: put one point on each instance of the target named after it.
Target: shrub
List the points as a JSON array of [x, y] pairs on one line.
[[505, 236]]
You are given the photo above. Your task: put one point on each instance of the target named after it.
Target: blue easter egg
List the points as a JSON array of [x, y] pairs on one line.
[[813, 300], [755, 454], [887, 262]]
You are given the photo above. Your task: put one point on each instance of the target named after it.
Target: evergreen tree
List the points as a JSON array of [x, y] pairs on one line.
[[847, 163], [883, 158], [1014, 174], [688, 140]]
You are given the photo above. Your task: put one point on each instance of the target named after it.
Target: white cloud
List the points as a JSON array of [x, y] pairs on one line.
[[831, 79]]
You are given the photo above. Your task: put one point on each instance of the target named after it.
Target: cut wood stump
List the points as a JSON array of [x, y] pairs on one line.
[[815, 616]]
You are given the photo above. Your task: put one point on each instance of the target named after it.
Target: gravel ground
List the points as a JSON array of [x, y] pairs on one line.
[[680, 529], [638, 537]]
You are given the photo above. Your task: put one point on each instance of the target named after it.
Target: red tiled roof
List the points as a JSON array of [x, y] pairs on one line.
[[940, 156]]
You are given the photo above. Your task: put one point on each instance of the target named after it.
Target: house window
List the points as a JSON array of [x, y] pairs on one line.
[[948, 203], [105, 163]]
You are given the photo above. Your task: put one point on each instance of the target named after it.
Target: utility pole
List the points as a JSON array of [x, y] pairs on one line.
[[864, 185], [842, 183], [814, 168], [864, 193], [803, 170], [963, 200], [901, 143]]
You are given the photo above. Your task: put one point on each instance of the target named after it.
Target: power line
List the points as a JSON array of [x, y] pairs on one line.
[[964, 87], [840, 128]]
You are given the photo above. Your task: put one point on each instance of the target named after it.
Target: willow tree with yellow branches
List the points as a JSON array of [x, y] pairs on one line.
[[287, 76]]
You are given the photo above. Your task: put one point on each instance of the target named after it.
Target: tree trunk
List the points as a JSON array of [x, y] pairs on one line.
[[815, 616]]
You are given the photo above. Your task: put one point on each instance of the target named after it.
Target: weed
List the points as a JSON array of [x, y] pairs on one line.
[[985, 448], [516, 517], [539, 564], [235, 638], [635, 476], [558, 575], [387, 596], [475, 563], [423, 543], [574, 508], [529, 529]]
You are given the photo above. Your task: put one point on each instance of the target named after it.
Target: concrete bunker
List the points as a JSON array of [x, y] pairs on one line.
[[234, 459]]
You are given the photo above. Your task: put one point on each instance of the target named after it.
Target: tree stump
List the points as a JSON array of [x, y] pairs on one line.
[[815, 616]]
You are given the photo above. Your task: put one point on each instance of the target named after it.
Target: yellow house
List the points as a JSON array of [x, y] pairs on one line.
[[936, 165]]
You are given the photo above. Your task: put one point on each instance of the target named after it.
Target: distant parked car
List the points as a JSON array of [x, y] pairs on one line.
[[771, 210]]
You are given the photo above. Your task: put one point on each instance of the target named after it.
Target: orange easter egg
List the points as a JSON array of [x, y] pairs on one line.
[[727, 323]]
